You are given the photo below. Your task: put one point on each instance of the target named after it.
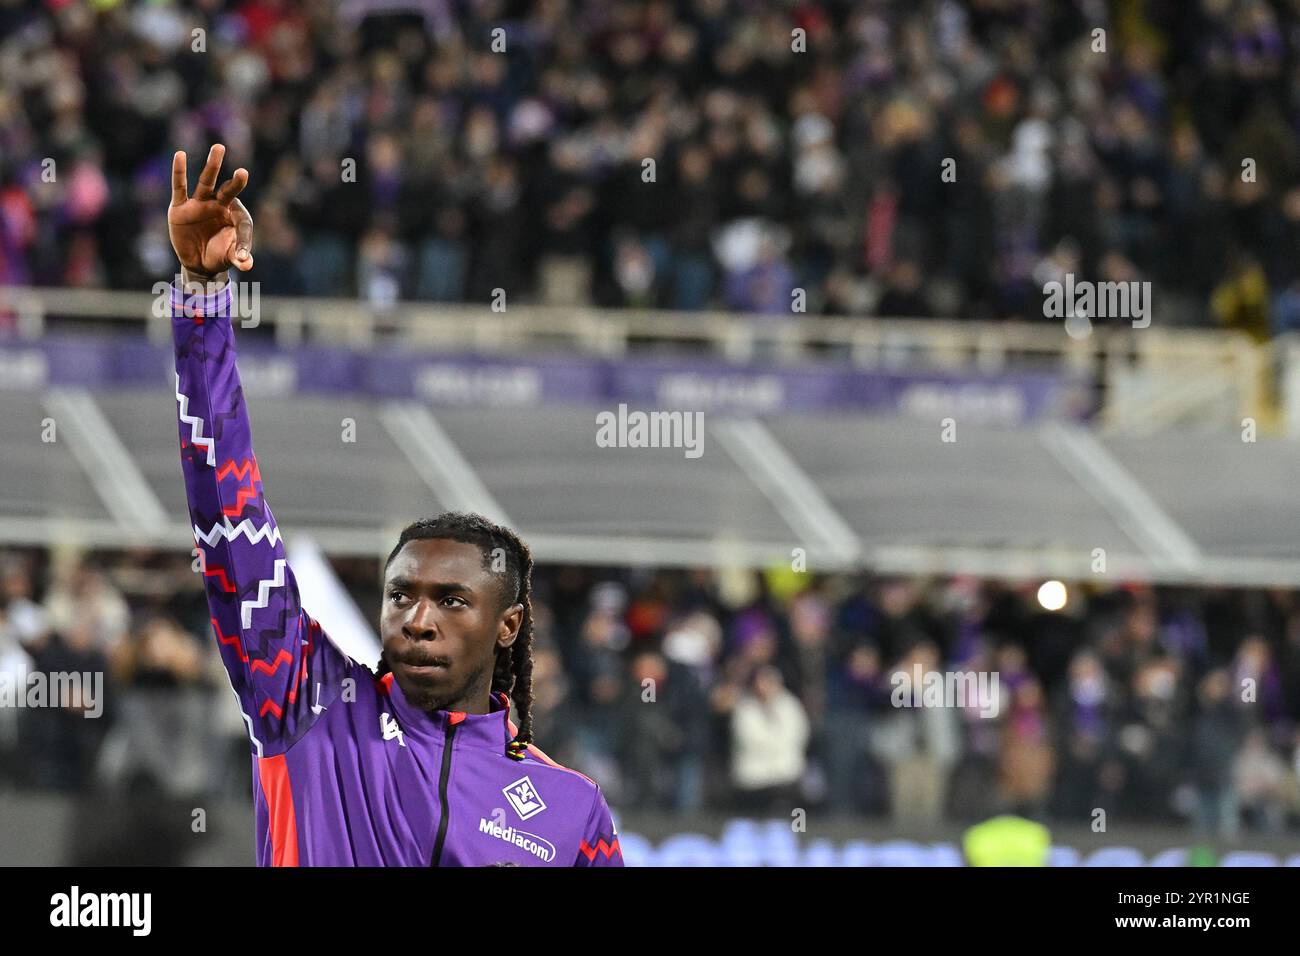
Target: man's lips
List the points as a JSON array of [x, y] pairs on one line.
[[424, 668]]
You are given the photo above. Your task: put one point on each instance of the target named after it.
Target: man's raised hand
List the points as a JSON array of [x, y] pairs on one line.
[[211, 230]]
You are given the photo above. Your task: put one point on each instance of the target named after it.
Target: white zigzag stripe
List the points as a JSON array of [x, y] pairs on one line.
[[264, 589], [230, 532], [195, 423], [249, 721]]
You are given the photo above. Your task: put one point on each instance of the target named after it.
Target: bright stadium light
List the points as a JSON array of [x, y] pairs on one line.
[[1052, 595]]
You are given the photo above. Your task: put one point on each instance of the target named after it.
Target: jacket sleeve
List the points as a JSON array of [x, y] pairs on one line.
[[599, 846], [284, 670]]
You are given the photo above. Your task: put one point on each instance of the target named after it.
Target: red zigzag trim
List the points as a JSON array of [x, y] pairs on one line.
[[609, 849], [283, 657], [221, 573], [240, 472], [271, 668], [232, 639]]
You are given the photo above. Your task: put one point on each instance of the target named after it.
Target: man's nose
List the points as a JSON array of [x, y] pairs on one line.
[[421, 624]]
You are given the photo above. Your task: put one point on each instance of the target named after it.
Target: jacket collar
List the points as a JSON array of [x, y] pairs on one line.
[[490, 730]]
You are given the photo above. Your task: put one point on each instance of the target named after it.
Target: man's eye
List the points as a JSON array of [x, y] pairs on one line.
[[395, 595], [452, 597]]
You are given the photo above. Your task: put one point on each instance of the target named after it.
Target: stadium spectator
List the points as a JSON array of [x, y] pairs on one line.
[[1264, 784], [691, 647], [1086, 715], [1216, 737], [973, 793], [1028, 760], [24, 621], [856, 691], [80, 599], [770, 734], [1153, 736], [599, 676], [919, 744], [60, 743]]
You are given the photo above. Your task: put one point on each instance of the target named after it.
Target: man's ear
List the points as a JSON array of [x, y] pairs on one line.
[[512, 618]]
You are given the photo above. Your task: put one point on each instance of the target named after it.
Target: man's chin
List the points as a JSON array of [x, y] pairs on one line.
[[424, 700], [422, 695]]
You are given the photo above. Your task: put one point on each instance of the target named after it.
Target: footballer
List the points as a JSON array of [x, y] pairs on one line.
[[418, 764]]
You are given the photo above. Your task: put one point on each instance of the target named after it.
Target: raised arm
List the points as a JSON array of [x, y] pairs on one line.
[[283, 668]]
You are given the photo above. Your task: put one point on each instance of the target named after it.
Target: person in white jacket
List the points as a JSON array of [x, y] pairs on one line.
[[769, 741]]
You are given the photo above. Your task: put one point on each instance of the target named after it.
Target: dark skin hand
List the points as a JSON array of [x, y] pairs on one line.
[[211, 230], [442, 622]]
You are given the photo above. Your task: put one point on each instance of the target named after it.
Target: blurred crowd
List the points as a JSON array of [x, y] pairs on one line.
[[899, 159], [158, 728], [689, 692]]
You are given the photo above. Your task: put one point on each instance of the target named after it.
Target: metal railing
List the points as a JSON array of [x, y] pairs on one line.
[[1147, 378]]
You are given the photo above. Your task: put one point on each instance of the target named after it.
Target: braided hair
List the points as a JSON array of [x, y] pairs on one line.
[[512, 674]]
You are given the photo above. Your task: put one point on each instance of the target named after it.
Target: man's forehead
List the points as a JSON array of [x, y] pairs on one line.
[[436, 559]]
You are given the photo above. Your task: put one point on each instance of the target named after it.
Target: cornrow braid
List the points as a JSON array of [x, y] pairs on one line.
[[512, 673], [514, 670]]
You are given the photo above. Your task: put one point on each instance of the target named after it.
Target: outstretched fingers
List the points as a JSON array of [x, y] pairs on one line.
[[208, 178], [233, 187], [243, 259], [179, 184]]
